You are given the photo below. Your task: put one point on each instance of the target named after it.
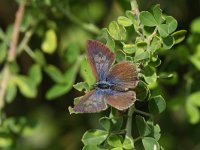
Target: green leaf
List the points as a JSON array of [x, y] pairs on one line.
[[142, 91], [109, 41], [6, 142], [149, 74], [129, 48], [193, 113], [124, 21], [157, 12], [86, 72], [92, 147], [35, 74], [131, 16], [155, 44], [194, 98], [179, 36], [54, 73], [50, 42], [114, 141], [163, 30], [94, 137], [128, 143], [3, 52], [194, 27], [118, 32], [11, 91], [143, 128], [155, 130], [81, 86], [39, 57], [71, 53], [140, 54], [171, 23], [117, 121], [147, 19], [120, 55], [192, 105], [168, 42], [25, 85], [57, 90], [195, 58], [150, 143], [106, 123], [157, 105]]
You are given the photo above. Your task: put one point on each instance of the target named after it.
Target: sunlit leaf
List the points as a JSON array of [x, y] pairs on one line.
[[50, 42], [179, 36], [92, 147], [128, 143], [3, 52], [118, 32], [71, 53], [54, 73], [25, 85], [195, 25], [81, 86], [157, 12], [124, 21], [35, 73], [11, 91], [86, 72], [94, 137], [150, 143], [147, 19], [114, 141]]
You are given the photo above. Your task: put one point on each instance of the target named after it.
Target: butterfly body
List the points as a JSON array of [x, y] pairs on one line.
[[114, 82]]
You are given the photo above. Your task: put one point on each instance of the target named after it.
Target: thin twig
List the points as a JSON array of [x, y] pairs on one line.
[[15, 35], [87, 26], [6, 73], [3, 85]]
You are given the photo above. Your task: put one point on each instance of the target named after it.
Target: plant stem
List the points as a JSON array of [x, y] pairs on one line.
[[3, 84], [6, 73], [134, 7], [87, 26], [15, 35], [129, 121], [143, 113]]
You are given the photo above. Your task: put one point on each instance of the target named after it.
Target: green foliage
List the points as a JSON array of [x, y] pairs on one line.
[[157, 34], [50, 57]]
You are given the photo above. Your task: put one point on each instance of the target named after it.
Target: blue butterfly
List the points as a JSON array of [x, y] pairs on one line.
[[114, 82]]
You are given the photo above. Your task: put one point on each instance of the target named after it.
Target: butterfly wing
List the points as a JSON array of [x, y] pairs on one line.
[[123, 75], [91, 102], [100, 58], [121, 100]]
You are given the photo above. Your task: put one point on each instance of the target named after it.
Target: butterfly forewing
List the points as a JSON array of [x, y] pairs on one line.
[[100, 58], [123, 75], [93, 101]]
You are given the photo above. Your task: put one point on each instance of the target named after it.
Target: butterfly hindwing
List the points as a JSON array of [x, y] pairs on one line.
[[100, 58], [93, 101], [121, 100], [123, 75]]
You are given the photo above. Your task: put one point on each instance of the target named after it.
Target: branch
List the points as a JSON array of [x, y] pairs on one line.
[[15, 35], [6, 73], [87, 26]]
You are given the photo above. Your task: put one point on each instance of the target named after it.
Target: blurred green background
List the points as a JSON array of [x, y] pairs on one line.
[[38, 123]]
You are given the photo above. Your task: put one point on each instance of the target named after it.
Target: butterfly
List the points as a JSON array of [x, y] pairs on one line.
[[114, 81]]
